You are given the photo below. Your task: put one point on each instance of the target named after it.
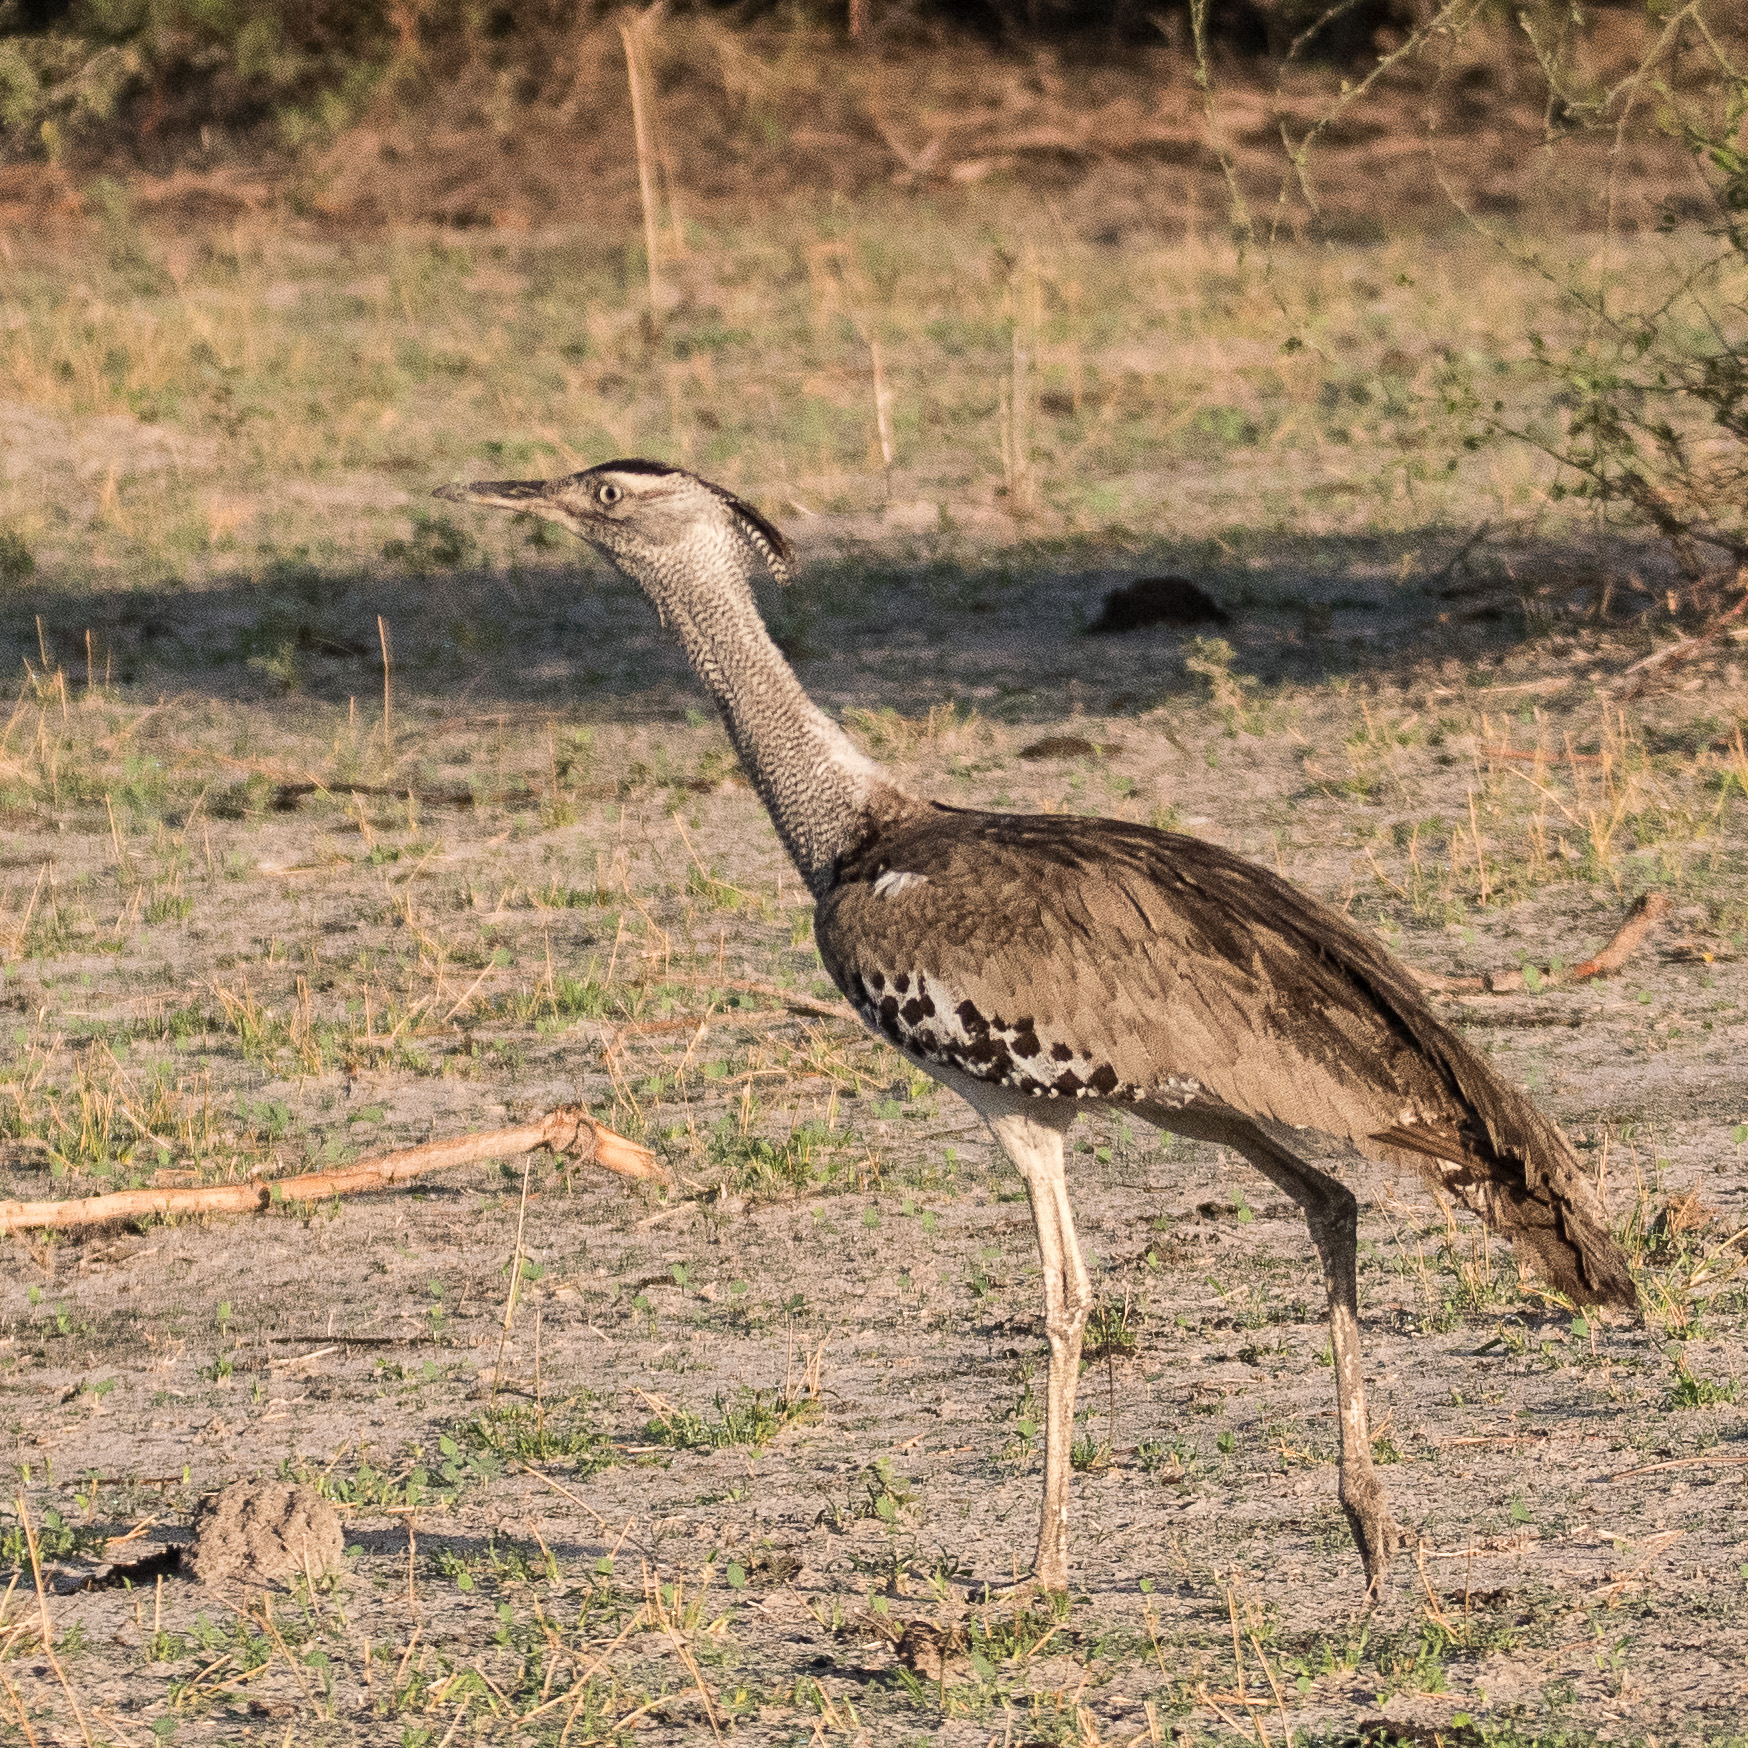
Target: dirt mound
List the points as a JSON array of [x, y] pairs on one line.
[[259, 1532]]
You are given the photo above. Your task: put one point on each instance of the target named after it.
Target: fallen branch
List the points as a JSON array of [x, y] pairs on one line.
[[799, 1004], [568, 1130], [1648, 911], [1449, 568], [1681, 1463], [1675, 654], [288, 795]]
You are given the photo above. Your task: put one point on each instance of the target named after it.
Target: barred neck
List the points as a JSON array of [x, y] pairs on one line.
[[814, 781]]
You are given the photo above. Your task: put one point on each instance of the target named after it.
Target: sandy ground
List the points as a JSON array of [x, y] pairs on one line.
[[1579, 1530]]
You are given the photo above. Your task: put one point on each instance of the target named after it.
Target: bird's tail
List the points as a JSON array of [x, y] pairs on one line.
[[1519, 1174]]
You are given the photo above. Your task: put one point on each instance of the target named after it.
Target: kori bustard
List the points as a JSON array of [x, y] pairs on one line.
[[1040, 965]]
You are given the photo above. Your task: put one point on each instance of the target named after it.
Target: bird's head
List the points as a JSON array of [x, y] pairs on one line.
[[663, 527]]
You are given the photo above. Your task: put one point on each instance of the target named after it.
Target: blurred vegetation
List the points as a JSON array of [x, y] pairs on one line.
[[1648, 361], [1654, 374], [151, 79], [77, 72]]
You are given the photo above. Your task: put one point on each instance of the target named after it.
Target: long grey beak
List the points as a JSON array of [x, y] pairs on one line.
[[496, 494]]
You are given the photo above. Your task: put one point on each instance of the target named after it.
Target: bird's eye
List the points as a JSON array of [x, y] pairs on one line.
[[608, 492]]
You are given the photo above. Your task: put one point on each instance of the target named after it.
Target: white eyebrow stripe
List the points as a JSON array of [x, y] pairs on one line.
[[894, 881]]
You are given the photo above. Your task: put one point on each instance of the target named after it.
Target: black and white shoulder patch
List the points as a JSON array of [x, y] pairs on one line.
[[932, 1023]]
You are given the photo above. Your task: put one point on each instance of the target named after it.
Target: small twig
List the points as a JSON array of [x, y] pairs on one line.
[[1648, 911], [1275, 1688], [297, 1359], [1449, 568], [1674, 654], [1681, 1463], [133, 1534], [42, 1603], [265, 1621], [388, 742], [1213, 1702], [460, 1713], [800, 1004], [565, 1492], [631, 32], [1533, 758], [18, 1706], [588, 1674], [653, 1603], [515, 1282], [288, 795]]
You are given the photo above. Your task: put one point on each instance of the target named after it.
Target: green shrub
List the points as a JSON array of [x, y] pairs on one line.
[[1655, 383]]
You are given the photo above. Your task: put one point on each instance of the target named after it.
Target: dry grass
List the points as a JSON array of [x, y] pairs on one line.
[[277, 396], [476, 951]]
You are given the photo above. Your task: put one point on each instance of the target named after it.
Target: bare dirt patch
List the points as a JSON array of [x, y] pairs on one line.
[[330, 824], [729, 1454]]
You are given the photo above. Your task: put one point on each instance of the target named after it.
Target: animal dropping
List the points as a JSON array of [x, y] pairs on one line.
[[1041, 965], [1065, 746]]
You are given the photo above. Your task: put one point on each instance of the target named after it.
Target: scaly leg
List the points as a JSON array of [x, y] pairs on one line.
[[1362, 1493], [1333, 1216], [1032, 1139]]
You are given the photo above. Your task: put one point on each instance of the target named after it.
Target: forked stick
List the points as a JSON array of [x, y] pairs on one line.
[[568, 1130], [1647, 912]]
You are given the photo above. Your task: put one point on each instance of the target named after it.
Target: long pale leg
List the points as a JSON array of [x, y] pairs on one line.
[[1032, 1139], [1332, 1213], [1333, 1216]]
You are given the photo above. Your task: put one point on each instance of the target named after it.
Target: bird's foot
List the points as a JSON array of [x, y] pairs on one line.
[[1050, 1564], [1024, 1585], [986, 1590], [1376, 1536]]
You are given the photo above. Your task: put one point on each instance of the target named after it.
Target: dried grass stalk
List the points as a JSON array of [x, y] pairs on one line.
[[631, 35]]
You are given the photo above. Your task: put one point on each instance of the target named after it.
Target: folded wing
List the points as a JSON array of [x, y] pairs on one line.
[[1075, 958]]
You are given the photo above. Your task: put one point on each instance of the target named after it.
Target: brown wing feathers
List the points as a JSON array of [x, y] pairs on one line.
[[1502, 1157], [1124, 961], [1497, 1152]]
